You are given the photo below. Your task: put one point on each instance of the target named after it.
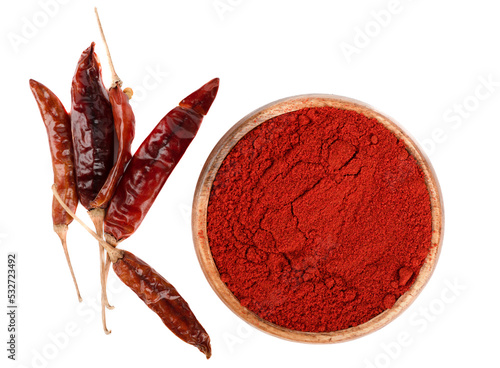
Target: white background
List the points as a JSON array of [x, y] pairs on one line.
[[432, 65]]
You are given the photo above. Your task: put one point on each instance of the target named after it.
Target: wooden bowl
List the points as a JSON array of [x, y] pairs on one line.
[[202, 195]]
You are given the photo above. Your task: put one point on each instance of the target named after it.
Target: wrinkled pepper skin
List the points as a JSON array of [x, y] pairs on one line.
[[161, 297], [58, 125], [92, 127], [124, 122], [154, 161]]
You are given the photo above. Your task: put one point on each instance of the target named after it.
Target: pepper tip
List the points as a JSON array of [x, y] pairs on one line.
[[207, 351], [201, 99], [204, 346]]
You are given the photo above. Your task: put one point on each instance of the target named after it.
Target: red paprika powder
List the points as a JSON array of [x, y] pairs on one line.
[[319, 219]]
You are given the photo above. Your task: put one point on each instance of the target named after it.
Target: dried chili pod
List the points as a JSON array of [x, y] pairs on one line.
[[93, 140], [92, 127], [163, 299], [124, 122], [58, 125], [154, 161]]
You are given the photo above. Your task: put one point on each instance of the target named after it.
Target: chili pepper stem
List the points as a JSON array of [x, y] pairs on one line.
[[61, 231], [106, 273], [110, 239], [116, 81], [107, 264], [97, 217], [114, 254]]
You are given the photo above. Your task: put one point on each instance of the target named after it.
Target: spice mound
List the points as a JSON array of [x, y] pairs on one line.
[[319, 219]]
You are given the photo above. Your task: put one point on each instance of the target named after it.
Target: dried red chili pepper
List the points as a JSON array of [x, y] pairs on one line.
[[93, 139], [163, 299], [154, 161], [92, 127], [58, 125]]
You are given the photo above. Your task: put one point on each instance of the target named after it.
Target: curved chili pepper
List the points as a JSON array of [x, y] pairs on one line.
[[58, 125], [92, 127], [154, 161], [124, 122], [163, 299]]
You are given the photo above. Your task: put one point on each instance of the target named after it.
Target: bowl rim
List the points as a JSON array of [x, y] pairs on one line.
[[202, 194]]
